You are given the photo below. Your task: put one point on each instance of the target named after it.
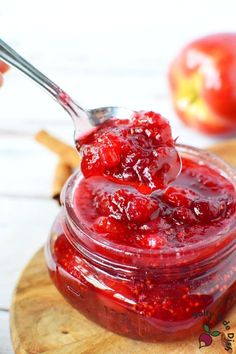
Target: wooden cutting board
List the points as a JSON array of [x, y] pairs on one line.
[[43, 322]]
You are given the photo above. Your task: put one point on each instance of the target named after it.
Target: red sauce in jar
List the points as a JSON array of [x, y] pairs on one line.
[[144, 265]]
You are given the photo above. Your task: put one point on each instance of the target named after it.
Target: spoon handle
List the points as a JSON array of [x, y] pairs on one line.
[[11, 57]]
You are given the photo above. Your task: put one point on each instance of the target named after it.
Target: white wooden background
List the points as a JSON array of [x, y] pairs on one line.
[[104, 53]]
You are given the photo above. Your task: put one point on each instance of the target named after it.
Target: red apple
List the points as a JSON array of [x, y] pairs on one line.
[[3, 68], [203, 84]]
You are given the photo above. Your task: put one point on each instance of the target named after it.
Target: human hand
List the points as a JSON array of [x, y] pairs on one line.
[[3, 68]]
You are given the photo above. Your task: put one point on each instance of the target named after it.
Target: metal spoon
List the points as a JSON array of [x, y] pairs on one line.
[[83, 119]]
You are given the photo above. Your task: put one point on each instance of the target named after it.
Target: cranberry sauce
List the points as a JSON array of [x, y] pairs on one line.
[[146, 242], [197, 205], [138, 152]]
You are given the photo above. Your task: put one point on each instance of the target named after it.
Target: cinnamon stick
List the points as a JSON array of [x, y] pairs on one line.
[[61, 174], [66, 152]]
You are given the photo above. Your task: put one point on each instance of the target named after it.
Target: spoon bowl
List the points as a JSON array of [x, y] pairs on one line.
[[100, 115]]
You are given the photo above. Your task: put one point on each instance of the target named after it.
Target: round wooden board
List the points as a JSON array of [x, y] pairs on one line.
[[43, 322]]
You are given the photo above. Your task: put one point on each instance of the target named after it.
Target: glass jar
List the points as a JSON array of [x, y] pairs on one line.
[[144, 294]]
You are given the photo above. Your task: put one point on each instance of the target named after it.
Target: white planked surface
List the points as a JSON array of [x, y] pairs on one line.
[[6, 347], [103, 53]]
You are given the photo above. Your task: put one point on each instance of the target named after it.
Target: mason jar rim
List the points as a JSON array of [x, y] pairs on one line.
[[172, 256]]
